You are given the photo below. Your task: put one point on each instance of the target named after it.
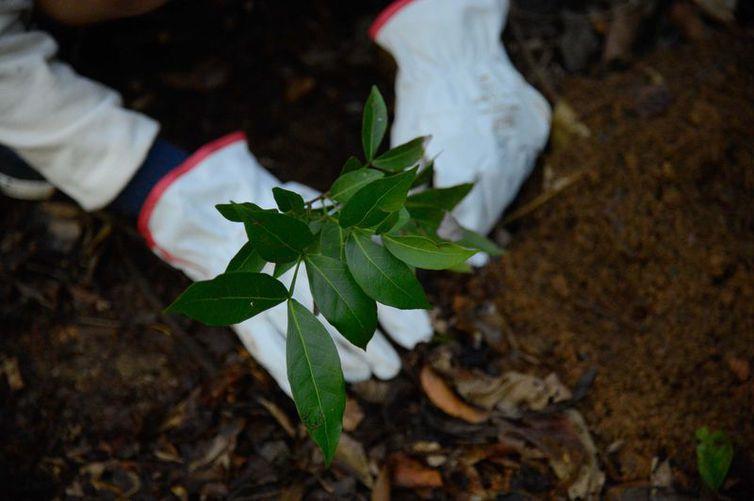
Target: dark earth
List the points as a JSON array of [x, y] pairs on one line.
[[629, 273]]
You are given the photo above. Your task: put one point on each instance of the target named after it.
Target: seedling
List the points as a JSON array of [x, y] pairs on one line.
[[360, 242], [714, 454]]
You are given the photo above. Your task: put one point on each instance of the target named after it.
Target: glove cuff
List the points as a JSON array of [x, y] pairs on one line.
[[385, 15], [441, 33], [178, 219]]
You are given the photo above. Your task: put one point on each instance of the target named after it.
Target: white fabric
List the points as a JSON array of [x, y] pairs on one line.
[[72, 130], [456, 83], [189, 233]]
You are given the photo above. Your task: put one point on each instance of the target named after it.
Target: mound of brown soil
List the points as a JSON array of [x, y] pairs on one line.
[[644, 268]]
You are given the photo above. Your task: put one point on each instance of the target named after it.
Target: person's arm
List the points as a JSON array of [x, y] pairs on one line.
[[80, 12], [70, 129]]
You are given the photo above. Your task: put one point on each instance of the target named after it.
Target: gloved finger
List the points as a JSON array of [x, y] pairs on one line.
[[265, 341], [406, 327], [383, 360], [474, 212], [479, 259], [352, 359]]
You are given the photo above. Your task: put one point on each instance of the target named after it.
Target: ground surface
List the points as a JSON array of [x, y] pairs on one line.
[[634, 284]]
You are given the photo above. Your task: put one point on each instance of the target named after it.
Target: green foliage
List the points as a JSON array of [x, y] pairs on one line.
[[360, 242], [714, 454], [349, 183], [374, 123], [424, 252], [316, 378], [373, 203], [342, 302], [246, 259], [408, 154], [382, 276], [230, 298], [288, 201]]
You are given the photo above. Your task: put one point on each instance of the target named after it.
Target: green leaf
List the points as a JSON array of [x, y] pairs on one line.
[[372, 203], [427, 218], [316, 378], [288, 201], [440, 198], [461, 268], [403, 156], [403, 218], [381, 275], [374, 123], [315, 226], [278, 238], [480, 242], [425, 176], [281, 268], [229, 298], [351, 165], [388, 223], [348, 184], [236, 212], [246, 259], [341, 300], [333, 240], [423, 252], [394, 222], [714, 454]]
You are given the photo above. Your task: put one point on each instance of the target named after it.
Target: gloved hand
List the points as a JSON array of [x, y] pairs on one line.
[[456, 83], [181, 225]]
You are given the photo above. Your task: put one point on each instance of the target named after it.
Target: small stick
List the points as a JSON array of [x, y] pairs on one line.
[[543, 198]]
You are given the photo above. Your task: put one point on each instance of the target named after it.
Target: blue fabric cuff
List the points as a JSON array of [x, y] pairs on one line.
[[162, 158]]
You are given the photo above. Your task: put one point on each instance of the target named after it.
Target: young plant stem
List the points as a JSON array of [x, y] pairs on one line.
[[295, 276], [322, 196]]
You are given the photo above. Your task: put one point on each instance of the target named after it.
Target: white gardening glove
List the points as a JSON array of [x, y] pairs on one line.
[[456, 83], [181, 225], [71, 130]]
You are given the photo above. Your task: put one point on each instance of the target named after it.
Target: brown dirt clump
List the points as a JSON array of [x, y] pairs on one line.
[[644, 269]]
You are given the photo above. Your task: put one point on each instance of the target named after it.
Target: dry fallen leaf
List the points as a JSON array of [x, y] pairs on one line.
[[353, 415], [167, 452], [590, 479], [219, 448], [411, 474], [280, 416], [722, 10], [566, 125], [513, 392], [9, 367], [739, 366], [350, 454], [623, 31], [442, 396], [381, 489], [565, 441], [293, 492], [372, 390]]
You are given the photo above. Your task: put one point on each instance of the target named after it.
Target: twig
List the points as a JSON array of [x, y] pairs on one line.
[[295, 275], [543, 198]]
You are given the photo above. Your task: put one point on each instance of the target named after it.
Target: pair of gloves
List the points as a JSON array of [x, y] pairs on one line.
[[455, 83]]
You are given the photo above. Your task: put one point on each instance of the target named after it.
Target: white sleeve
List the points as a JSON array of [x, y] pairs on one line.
[[72, 130]]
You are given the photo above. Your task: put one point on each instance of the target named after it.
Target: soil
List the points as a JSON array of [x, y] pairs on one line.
[[634, 284], [644, 268]]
